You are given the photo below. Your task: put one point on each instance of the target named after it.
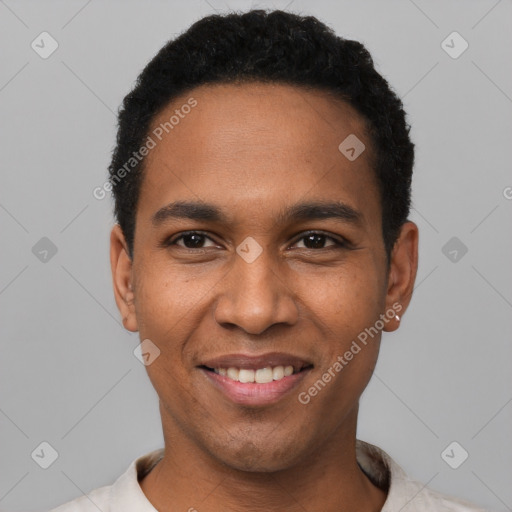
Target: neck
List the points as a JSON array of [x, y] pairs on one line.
[[329, 479]]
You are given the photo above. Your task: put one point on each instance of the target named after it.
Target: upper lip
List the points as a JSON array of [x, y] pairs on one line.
[[254, 362]]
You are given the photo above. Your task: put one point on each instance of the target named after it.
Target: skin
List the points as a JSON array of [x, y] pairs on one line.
[[253, 150]]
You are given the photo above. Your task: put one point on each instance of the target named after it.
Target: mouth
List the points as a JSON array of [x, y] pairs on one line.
[[255, 380], [259, 375]]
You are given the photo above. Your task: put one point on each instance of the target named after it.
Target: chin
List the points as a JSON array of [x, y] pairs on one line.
[[260, 456]]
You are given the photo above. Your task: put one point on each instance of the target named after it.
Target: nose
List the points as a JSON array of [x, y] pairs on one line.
[[255, 296]]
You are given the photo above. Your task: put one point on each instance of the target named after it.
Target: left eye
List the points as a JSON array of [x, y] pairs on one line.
[[317, 241]]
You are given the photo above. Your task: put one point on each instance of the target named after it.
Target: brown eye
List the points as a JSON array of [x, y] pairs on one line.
[[317, 241], [192, 240]]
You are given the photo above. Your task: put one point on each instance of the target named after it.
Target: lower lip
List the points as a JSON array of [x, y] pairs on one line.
[[252, 393]]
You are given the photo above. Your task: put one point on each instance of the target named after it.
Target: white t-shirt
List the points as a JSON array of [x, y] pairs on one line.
[[404, 494]]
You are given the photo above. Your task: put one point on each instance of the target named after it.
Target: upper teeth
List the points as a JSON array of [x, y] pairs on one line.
[[260, 376]]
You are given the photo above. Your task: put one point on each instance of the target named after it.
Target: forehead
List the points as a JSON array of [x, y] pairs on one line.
[[278, 116], [256, 142]]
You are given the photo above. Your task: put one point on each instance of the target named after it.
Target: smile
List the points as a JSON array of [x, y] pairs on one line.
[[260, 375], [257, 381]]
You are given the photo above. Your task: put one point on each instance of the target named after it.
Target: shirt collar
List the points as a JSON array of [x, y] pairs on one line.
[[126, 493], [403, 493]]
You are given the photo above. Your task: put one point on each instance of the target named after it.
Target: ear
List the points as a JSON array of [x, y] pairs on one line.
[[402, 273], [121, 265]]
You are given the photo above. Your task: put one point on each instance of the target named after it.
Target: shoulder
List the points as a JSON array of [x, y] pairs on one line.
[[446, 503], [404, 493], [413, 496], [416, 497], [97, 499], [124, 495]]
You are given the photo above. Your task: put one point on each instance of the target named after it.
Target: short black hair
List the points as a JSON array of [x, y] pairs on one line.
[[272, 47]]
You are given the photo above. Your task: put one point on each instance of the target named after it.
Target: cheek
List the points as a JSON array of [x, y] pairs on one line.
[[344, 309], [170, 305], [166, 305], [346, 300], [166, 299]]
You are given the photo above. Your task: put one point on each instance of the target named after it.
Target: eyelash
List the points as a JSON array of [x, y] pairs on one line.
[[339, 244]]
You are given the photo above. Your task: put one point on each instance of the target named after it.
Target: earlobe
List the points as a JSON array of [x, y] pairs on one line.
[[121, 266], [402, 273]]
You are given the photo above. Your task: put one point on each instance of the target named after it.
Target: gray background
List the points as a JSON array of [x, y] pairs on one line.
[[68, 375]]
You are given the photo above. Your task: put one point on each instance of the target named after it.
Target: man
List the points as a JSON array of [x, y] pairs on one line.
[[262, 186]]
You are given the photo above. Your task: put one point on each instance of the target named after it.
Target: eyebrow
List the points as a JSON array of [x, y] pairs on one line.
[[188, 210], [298, 212]]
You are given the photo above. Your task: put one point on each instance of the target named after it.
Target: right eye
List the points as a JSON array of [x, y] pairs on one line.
[[191, 240]]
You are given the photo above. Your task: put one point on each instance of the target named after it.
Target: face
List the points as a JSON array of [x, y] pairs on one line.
[[258, 253]]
